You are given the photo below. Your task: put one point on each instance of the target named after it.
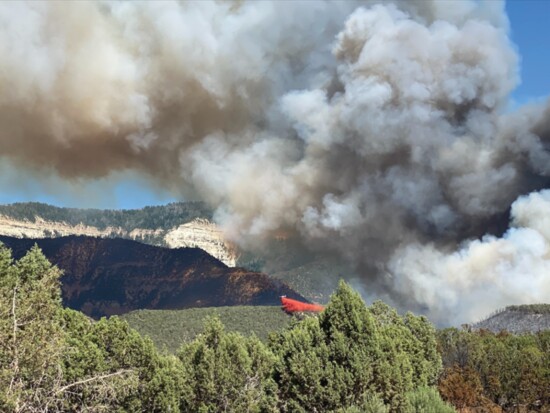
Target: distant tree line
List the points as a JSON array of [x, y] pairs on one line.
[[351, 358], [523, 309], [153, 217], [531, 308]]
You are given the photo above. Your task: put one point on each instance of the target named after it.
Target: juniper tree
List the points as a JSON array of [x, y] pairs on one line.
[[351, 352], [57, 360], [227, 372], [31, 335]]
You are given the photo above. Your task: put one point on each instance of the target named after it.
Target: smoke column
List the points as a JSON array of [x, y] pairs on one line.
[[377, 131]]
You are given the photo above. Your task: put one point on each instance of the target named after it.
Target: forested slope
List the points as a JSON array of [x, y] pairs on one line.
[[151, 217]]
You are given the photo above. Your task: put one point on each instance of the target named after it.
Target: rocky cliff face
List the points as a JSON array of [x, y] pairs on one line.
[[114, 276], [199, 233], [203, 234]]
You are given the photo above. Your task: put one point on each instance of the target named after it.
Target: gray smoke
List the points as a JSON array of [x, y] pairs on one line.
[[378, 131]]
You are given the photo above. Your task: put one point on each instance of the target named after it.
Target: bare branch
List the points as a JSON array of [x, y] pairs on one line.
[[15, 363], [104, 376]]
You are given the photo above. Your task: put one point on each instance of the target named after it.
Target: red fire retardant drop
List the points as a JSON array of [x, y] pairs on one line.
[[293, 306]]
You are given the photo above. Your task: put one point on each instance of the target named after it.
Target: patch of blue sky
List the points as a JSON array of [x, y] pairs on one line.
[[530, 32], [122, 190]]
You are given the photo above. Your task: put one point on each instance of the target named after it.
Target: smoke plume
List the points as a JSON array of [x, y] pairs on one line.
[[377, 131]]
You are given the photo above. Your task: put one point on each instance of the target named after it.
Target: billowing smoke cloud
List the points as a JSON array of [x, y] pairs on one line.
[[482, 274], [374, 130]]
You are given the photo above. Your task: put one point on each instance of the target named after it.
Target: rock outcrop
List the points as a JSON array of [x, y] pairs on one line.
[[203, 234], [199, 233]]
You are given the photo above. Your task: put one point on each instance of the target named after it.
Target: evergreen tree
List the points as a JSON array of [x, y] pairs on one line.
[[351, 351], [139, 379], [372, 404], [226, 372], [55, 359], [306, 377], [30, 331], [426, 400]]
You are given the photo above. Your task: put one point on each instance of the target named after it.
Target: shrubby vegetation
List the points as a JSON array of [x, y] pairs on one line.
[[226, 372], [351, 358], [169, 329], [350, 353], [488, 370], [56, 359], [153, 217]]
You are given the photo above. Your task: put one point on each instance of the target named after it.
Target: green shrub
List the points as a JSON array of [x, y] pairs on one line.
[[372, 404], [427, 400]]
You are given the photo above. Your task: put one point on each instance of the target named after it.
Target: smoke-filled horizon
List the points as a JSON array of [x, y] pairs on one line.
[[376, 131]]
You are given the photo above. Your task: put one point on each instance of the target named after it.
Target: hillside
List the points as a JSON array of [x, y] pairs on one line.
[[171, 328], [182, 224], [518, 319], [316, 280], [114, 276]]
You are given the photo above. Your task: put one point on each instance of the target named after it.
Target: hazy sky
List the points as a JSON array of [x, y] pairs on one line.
[[530, 29]]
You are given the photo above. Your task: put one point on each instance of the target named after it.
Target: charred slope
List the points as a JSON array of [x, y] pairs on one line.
[[115, 276], [518, 319]]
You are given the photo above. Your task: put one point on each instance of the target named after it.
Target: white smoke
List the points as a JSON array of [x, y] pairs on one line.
[[374, 130], [482, 275]]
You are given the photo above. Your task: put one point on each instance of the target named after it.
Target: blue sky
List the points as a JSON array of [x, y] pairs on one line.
[[530, 31]]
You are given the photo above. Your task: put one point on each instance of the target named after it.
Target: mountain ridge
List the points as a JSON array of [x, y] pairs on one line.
[[105, 277]]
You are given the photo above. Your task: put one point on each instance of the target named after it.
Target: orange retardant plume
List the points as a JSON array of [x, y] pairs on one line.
[[293, 306]]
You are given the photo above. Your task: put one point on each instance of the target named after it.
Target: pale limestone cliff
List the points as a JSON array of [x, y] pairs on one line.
[[205, 235], [199, 233]]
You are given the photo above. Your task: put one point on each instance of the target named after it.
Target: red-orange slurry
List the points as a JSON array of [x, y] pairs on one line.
[[293, 306]]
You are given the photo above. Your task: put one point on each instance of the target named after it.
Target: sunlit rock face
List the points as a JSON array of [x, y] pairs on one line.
[[199, 233], [203, 234]]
